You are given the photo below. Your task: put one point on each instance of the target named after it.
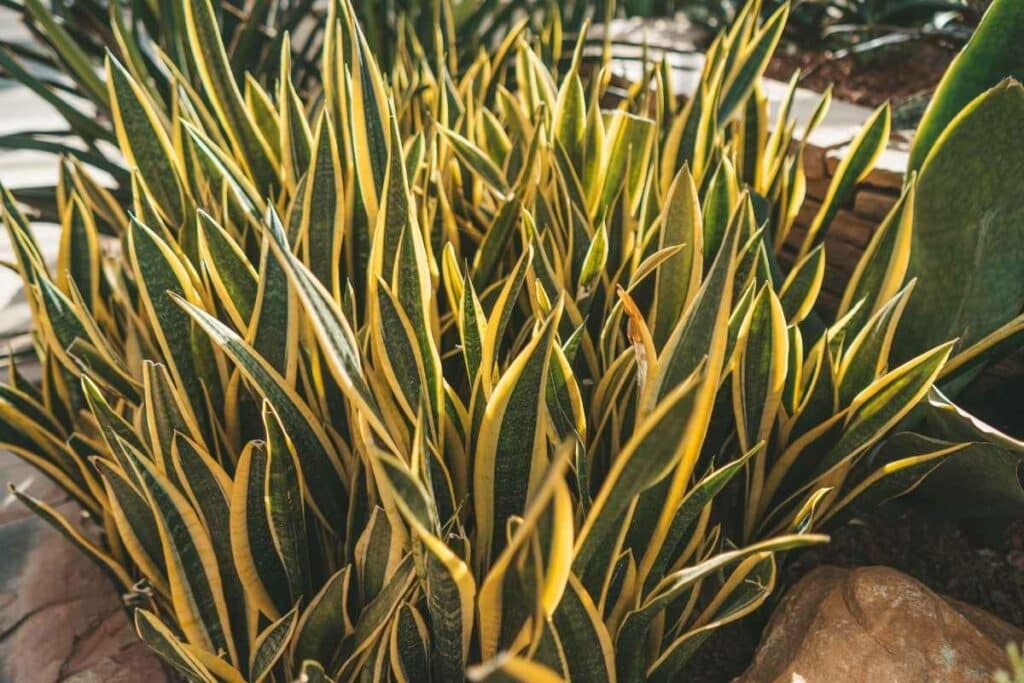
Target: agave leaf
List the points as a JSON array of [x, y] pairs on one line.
[[907, 459], [993, 53], [984, 478], [966, 254]]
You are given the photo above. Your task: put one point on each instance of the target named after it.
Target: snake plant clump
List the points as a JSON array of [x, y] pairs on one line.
[[458, 370]]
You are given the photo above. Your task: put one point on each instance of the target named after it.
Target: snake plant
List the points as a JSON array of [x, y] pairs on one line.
[[457, 370]]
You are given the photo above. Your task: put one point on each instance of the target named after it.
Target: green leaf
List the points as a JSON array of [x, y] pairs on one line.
[[321, 471], [968, 245], [994, 52], [270, 645]]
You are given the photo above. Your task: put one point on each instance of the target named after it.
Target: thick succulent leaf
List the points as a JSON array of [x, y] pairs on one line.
[[883, 266], [194, 579], [993, 53], [511, 442], [171, 650], [967, 247], [409, 647], [321, 471], [222, 89], [860, 158], [679, 276], [257, 558], [283, 498], [584, 638], [324, 622], [984, 478], [270, 646], [143, 140]]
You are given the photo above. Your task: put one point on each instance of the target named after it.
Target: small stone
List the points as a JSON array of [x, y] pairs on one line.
[[875, 624]]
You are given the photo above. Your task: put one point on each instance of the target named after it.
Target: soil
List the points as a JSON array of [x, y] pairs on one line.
[[900, 74], [982, 568]]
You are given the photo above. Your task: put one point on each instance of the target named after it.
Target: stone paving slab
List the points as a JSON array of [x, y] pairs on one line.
[[60, 618]]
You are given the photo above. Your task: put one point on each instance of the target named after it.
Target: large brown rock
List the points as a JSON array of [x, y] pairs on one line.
[[874, 624], [61, 620]]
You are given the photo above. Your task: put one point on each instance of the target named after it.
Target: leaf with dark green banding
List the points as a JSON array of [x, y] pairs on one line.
[[233, 277], [159, 272], [630, 638], [321, 471], [324, 623], [323, 208], [755, 59], [803, 284], [222, 90], [162, 641], [144, 142], [884, 403], [260, 568], [270, 645], [510, 443], [409, 647], [679, 276], [208, 487], [584, 638], [285, 510], [193, 577]]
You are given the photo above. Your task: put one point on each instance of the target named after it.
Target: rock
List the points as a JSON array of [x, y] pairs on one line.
[[875, 624], [60, 618]]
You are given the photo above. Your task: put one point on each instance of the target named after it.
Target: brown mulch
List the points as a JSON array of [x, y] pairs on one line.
[[985, 569], [896, 74]]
